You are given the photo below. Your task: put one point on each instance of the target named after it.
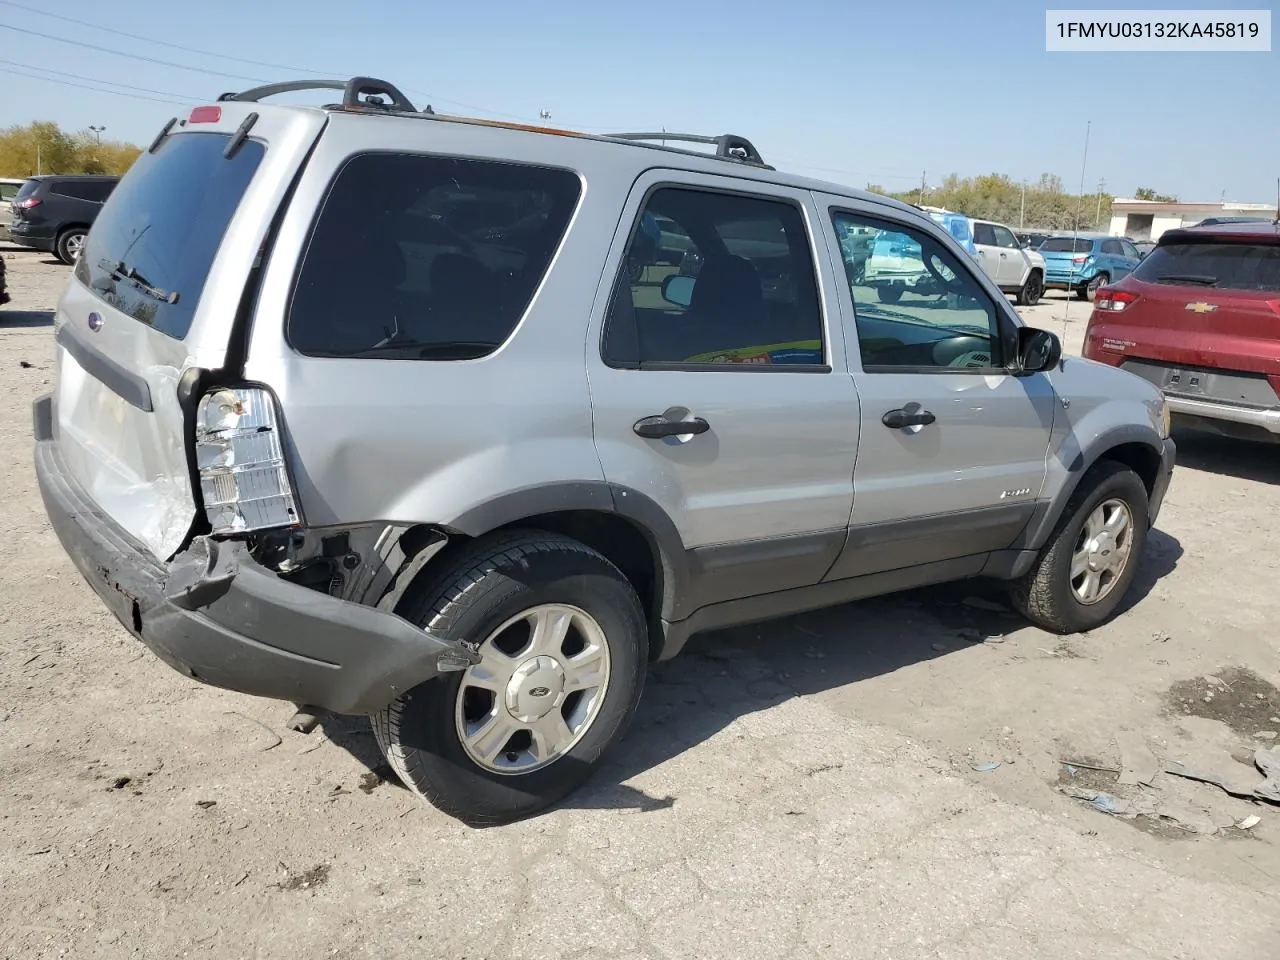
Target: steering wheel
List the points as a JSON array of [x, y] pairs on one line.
[[962, 351]]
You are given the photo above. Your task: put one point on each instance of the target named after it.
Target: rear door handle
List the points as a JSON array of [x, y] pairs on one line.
[[902, 417], [657, 427]]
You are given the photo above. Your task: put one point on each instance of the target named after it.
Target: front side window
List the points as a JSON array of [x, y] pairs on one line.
[[1005, 237], [1222, 264], [917, 307], [427, 258], [715, 278]]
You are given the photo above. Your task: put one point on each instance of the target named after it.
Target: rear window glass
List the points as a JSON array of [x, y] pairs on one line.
[[1231, 265], [151, 248], [427, 258], [1066, 245], [27, 188]]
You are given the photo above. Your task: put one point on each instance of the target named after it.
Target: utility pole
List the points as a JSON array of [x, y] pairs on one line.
[[97, 132], [1097, 215], [922, 180], [1022, 212]]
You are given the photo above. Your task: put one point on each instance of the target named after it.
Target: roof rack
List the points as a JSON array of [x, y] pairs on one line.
[[372, 89], [728, 146], [369, 92]]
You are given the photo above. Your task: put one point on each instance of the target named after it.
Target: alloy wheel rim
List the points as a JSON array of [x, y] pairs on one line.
[[75, 245], [537, 690], [1102, 552]]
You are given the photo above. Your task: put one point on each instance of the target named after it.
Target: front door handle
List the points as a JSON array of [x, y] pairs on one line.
[[902, 417], [657, 427]]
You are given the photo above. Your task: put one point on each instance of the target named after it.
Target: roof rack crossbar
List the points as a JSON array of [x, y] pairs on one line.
[[728, 146], [352, 91]]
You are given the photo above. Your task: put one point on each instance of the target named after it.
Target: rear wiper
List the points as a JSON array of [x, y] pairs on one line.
[[118, 271], [1195, 278]]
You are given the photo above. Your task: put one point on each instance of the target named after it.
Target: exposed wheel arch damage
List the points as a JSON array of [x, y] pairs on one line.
[[627, 527]]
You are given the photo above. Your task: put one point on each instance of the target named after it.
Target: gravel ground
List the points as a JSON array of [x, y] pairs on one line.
[[816, 787]]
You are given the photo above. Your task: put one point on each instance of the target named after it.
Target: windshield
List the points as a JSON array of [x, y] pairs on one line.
[[151, 248], [1225, 264], [1066, 245]]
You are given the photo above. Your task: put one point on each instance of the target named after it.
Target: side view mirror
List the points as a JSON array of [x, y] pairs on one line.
[[678, 289], [1038, 350]]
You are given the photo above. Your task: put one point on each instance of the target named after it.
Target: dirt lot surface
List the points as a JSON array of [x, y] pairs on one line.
[[816, 787]]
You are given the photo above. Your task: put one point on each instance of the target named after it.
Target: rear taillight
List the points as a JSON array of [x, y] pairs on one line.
[[1114, 301], [28, 203], [240, 456], [1079, 259]]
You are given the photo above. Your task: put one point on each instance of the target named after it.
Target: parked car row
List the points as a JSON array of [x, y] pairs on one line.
[[54, 212]]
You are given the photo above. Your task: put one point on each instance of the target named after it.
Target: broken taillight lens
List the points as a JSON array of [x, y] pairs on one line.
[[240, 456]]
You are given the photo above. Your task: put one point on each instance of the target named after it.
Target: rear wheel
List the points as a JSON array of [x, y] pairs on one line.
[[70, 243], [889, 293], [1032, 290], [1085, 569], [1089, 291], [562, 641]]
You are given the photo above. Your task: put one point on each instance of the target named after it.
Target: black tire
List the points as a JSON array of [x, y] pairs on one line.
[[68, 243], [1088, 291], [889, 293], [1032, 290], [1044, 595], [489, 582]]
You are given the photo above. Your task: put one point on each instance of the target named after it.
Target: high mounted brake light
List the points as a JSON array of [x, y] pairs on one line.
[[240, 456], [205, 115]]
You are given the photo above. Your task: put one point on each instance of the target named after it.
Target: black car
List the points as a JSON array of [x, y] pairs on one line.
[[55, 212]]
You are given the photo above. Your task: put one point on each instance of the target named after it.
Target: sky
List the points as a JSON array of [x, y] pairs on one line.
[[853, 92]]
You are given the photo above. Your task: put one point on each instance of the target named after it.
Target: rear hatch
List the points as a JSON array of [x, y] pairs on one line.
[[1205, 319], [1065, 257], [156, 291]]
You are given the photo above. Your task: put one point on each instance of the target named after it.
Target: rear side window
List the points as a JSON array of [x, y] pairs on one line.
[[151, 248], [8, 191], [95, 191], [1229, 264], [742, 294], [984, 234], [427, 258]]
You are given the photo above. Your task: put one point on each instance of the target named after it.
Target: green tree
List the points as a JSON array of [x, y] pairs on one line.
[[995, 196], [43, 147], [1146, 193]]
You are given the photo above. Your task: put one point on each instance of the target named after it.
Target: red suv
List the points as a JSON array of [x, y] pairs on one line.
[[1200, 318]]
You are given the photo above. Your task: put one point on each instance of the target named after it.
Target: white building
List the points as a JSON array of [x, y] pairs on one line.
[[1147, 219]]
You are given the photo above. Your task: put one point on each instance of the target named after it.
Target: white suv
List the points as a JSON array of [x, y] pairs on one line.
[[1014, 269]]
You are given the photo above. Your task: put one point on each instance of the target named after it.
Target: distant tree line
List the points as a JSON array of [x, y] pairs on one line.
[[44, 147], [1036, 205]]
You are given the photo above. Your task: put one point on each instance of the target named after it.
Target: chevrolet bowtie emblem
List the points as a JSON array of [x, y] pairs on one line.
[[1201, 307]]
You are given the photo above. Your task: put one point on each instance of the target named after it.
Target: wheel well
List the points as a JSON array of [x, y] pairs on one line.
[[622, 542], [66, 227], [1138, 457]]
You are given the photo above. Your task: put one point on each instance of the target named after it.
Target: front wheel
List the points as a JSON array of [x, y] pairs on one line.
[[69, 245], [1085, 569], [562, 640], [889, 293]]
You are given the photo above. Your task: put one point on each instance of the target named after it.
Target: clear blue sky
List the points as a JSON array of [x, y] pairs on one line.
[[846, 91]]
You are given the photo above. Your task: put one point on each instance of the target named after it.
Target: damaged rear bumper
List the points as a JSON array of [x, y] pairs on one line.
[[216, 615]]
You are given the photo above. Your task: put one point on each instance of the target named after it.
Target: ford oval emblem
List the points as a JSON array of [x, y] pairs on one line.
[[95, 322]]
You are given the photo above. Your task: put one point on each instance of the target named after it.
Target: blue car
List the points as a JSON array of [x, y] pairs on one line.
[[1087, 262], [956, 224]]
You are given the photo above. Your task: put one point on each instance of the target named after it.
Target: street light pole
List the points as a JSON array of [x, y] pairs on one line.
[[97, 132]]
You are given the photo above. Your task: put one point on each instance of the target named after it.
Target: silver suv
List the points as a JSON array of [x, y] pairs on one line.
[[419, 417]]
